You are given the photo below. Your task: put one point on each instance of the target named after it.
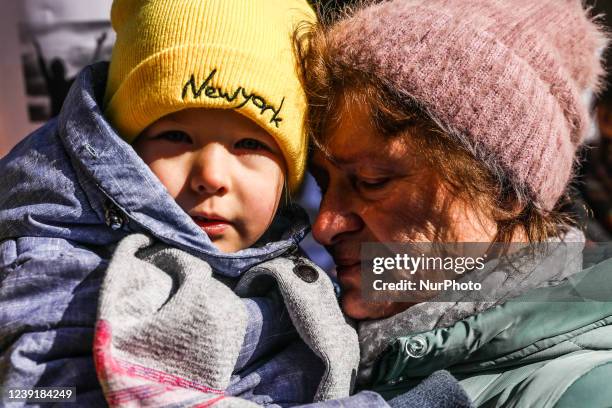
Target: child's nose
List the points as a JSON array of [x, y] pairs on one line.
[[210, 173]]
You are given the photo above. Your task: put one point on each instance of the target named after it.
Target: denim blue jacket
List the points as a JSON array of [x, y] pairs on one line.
[[68, 193]]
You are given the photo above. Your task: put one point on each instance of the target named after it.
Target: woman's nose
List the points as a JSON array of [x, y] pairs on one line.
[[333, 221], [210, 173]]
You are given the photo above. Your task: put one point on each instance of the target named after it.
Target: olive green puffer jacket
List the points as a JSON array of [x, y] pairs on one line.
[[550, 347]]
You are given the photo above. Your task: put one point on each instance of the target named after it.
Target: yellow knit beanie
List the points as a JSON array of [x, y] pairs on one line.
[[227, 54]]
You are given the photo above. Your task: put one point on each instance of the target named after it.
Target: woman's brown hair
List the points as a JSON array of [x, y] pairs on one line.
[[481, 182]]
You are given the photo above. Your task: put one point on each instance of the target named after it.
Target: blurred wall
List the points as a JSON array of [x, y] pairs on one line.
[[14, 121]]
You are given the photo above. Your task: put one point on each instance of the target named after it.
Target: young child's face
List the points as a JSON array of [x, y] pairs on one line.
[[226, 172]]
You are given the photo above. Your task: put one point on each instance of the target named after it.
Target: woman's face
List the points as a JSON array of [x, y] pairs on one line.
[[378, 189]]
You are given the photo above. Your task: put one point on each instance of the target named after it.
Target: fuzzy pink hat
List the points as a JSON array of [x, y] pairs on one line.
[[511, 79]]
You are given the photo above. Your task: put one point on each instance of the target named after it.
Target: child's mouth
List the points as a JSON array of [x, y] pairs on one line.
[[212, 227]]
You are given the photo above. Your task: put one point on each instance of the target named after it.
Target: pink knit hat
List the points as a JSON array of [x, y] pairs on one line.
[[510, 79]]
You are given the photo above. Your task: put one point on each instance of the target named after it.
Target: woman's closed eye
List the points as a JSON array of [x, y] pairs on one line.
[[372, 183], [174, 136]]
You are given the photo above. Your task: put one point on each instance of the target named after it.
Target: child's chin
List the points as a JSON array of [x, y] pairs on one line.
[[225, 245]]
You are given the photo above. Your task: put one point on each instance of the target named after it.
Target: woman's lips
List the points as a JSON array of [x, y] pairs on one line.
[[347, 267], [211, 227], [349, 275]]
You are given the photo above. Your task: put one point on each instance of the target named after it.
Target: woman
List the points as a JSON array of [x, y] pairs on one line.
[[458, 121]]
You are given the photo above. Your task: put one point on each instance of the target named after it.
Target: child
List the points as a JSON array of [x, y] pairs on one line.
[[207, 91]]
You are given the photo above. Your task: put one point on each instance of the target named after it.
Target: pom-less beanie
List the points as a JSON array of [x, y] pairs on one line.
[[228, 54], [510, 79]]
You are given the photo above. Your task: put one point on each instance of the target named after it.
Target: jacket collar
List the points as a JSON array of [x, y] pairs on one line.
[[536, 326], [516, 274], [106, 164]]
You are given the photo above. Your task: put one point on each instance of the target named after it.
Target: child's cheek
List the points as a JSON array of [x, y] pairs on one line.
[[262, 196], [170, 173], [169, 170]]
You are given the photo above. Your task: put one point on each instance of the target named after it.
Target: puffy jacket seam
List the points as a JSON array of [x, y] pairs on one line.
[[504, 361], [576, 344], [581, 330], [484, 388]]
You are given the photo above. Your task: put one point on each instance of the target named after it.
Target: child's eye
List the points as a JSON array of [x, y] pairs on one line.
[[174, 136], [251, 144]]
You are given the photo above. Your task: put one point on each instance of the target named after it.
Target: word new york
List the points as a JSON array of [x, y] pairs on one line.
[[214, 93]]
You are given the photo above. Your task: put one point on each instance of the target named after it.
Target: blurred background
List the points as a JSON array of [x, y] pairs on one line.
[[46, 42]]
